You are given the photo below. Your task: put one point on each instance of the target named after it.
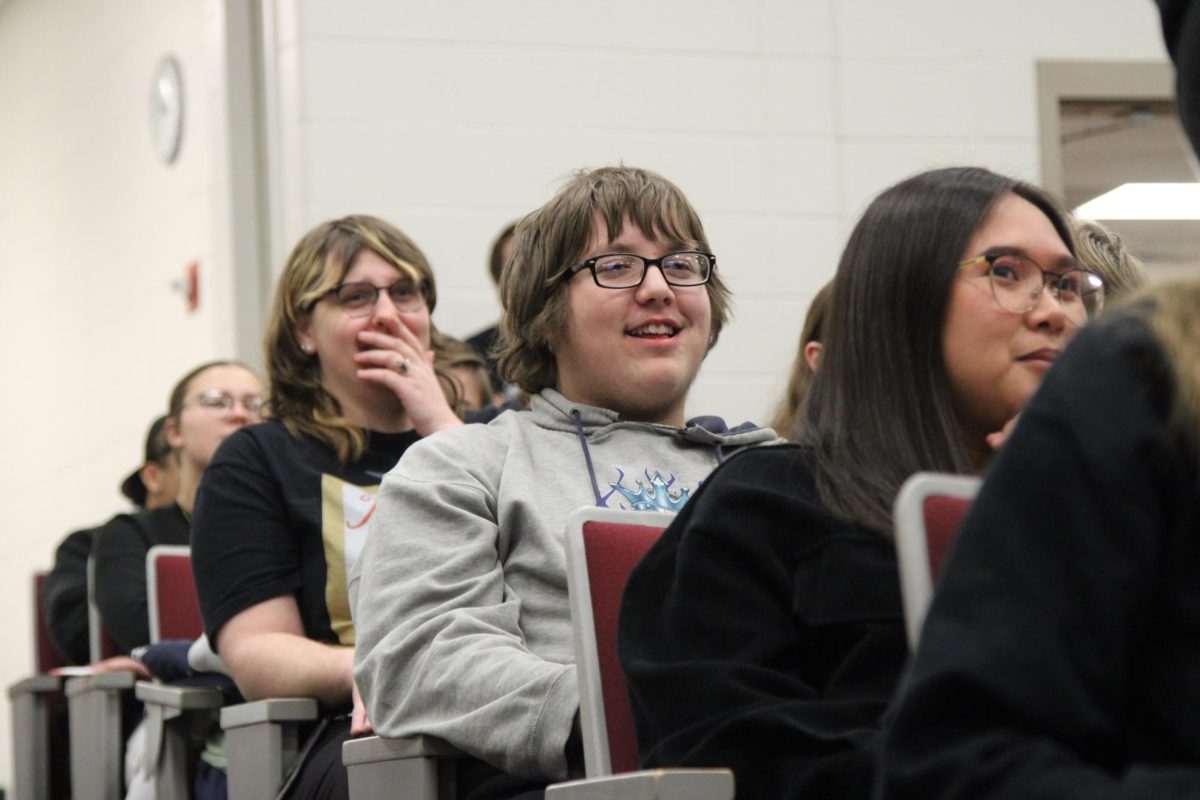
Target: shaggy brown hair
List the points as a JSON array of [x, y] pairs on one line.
[[553, 238]]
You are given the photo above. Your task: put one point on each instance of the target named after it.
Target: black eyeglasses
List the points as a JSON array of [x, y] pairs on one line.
[[358, 298], [221, 400], [626, 270], [1018, 281]]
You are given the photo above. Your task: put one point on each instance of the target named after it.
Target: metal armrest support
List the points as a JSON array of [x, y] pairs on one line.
[[31, 734], [94, 707], [651, 784], [261, 742], [415, 768], [175, 716]]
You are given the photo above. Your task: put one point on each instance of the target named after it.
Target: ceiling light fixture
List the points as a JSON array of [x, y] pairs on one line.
[[1145, 201]]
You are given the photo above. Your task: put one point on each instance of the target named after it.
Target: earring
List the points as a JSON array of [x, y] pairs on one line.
[[307, 348]]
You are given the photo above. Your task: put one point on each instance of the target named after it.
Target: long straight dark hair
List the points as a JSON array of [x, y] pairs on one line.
[[880, 406]]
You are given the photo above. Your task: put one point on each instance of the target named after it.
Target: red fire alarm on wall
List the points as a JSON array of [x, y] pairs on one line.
[[191, 286]]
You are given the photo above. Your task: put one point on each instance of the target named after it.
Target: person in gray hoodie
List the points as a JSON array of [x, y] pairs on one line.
[[612, 300]]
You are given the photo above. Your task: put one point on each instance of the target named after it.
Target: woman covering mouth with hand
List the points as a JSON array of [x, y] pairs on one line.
[[282, 511]]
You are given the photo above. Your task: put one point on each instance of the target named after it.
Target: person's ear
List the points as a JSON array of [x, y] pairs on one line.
[[171, 429], [812, 354], [151, 474], [304, 336]]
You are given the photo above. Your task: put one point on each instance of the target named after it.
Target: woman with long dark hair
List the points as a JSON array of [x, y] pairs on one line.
[[764, 631]]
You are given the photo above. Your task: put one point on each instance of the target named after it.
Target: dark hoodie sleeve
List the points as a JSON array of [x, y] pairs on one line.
[[761, 635], [1060, 658], [120, 551], [64, 597]]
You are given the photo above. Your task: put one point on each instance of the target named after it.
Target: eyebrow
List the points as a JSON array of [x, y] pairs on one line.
[[669, 246], [1061, 263]]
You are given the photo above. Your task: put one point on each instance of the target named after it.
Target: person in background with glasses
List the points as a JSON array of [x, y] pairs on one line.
[[612, 300], [206, 406], [764, 631], [282, 511]]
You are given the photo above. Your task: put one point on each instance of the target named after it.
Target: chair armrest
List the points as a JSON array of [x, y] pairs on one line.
[[101, 682], [262, 740], [370, 749], [30, 701], [424, 765], [175, 716], [35, 684], [97, 746], [650, 784], [179, 698], [273, 710]]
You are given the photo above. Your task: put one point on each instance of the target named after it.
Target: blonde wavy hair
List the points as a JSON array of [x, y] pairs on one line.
[[1174, 318], [1105, 253], [319, 262]]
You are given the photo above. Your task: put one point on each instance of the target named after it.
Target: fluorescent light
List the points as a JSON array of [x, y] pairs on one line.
[[1145, 201]]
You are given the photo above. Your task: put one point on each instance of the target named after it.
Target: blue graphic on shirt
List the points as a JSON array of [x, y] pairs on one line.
[[657, 496]]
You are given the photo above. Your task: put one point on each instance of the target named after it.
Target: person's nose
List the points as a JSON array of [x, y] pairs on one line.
[[654, 287], [1048, 311], [240, 412], [384, 314]]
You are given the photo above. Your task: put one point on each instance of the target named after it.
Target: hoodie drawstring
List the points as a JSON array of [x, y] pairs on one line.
[[587, 455]]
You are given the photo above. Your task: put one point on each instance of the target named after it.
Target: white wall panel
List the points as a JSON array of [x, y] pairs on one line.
[[94, 232]]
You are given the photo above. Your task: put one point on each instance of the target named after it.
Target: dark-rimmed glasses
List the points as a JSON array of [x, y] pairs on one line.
[[219, 400], [358, 298], [626, 270], [1018, 282]]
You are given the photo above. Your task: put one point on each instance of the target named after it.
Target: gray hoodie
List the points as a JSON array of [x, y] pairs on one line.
[[460, 595]]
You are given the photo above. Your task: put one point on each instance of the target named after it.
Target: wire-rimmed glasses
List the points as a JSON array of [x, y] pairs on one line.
[[219, 400], [1018, 282]]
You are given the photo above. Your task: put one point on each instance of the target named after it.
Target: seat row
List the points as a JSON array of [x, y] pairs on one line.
[[263, 739]]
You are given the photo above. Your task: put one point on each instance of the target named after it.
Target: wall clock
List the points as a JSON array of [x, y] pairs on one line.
[[166, 109]]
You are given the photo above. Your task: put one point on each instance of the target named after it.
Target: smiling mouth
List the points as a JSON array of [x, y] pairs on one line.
[[1047, 356], [653, 330]]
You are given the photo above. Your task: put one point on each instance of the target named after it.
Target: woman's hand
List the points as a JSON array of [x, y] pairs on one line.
[[121, 664], [996, 440], [359, 724], [400, 362]]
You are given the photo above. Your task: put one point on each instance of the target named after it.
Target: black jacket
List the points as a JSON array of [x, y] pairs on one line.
[[1061, 655], [765, 635]]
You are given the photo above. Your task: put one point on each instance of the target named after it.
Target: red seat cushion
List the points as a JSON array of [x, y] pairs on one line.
[[613, 549]]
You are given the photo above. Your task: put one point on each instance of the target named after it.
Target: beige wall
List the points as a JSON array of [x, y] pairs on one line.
[[779, 118], [93, 232]]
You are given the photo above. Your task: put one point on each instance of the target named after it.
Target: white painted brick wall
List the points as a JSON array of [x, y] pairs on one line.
[[779, 119]]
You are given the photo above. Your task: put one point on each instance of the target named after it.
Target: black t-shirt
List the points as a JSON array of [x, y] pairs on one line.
[[278, 515], [119, 551], [763, 634]]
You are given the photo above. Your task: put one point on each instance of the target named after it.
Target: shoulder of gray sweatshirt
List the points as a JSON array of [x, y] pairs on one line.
[[460, 595]]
